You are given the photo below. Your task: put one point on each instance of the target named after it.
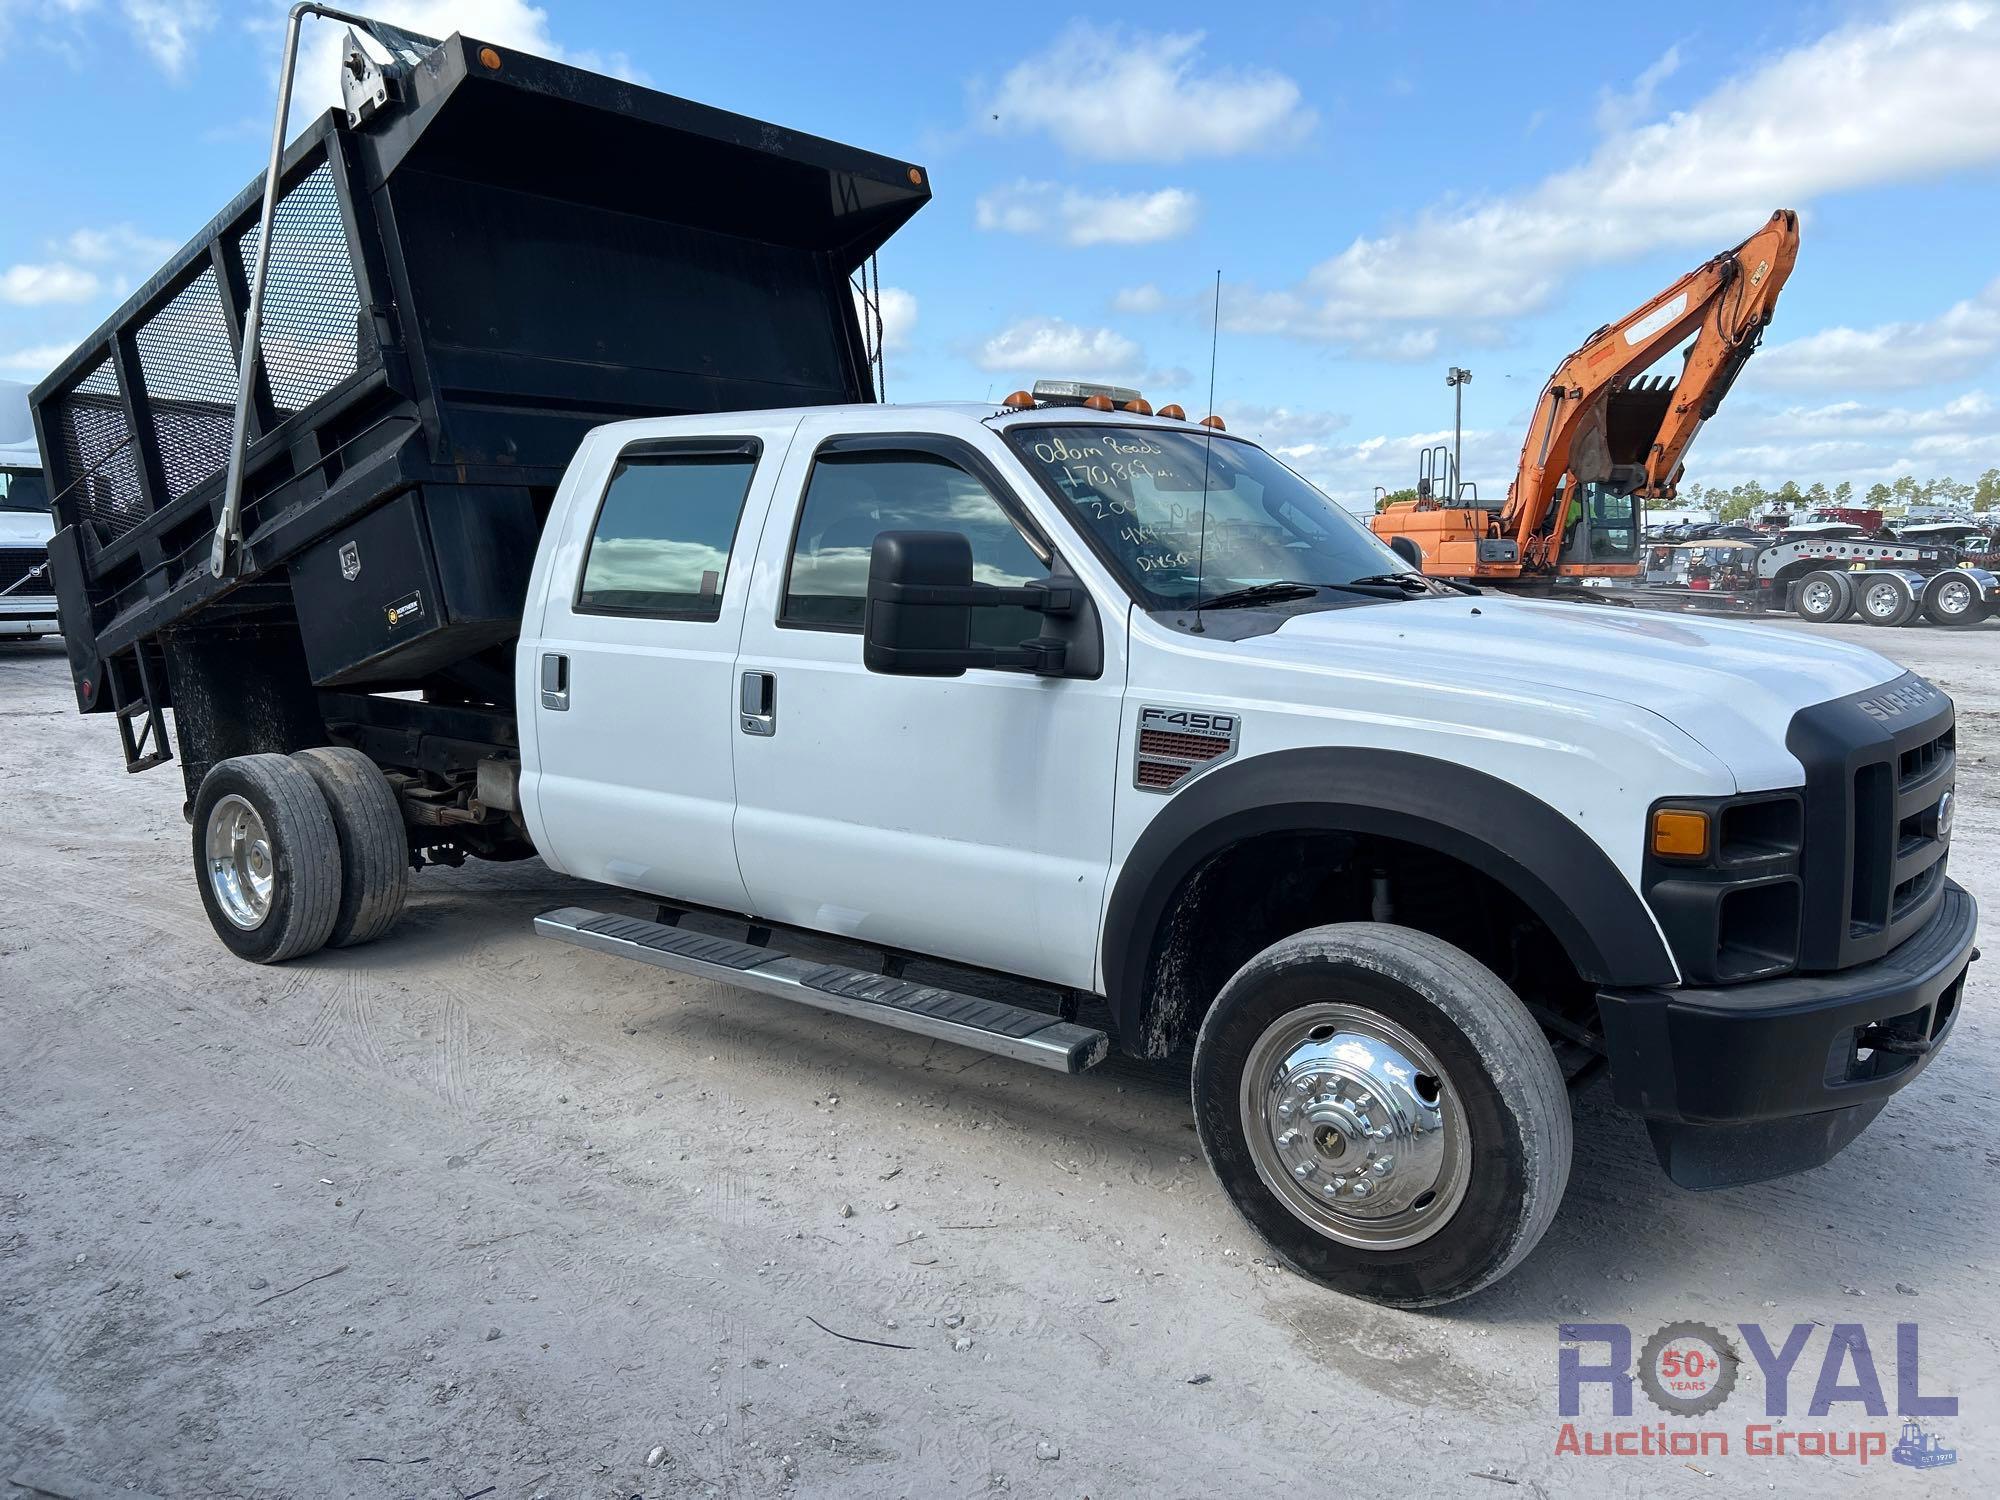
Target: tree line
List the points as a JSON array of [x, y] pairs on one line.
[[1742, 501]]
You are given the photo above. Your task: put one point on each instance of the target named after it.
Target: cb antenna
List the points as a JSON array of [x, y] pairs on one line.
[[1207, 447]]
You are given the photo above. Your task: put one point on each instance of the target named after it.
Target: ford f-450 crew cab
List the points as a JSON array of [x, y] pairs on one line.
[[1046, 727]]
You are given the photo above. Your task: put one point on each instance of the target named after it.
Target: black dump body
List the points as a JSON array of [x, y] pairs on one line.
[[460, 289]]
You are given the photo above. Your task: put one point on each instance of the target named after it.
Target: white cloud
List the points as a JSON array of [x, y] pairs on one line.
[[505, 23], [1962, 340], [29, 285], [1616, 107], [1294, 432], [1138, 299], [119, 243], [1081, 218], [36, 360], [167, 29], [1111, 94], [1877, 101], [899, 317], [1055, 349]]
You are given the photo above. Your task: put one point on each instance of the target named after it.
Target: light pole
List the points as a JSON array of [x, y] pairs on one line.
[[1457, 379]]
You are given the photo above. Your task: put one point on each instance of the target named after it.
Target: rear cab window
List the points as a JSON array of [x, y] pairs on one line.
[[660, 544]]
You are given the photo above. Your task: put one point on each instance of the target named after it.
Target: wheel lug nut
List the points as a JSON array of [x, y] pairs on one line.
[[1289, 1138], [1382, 1166], [1363, 1188], [1304, 1170]]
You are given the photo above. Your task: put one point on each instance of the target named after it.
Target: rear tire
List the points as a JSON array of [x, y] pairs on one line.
[[1823, 597], [1953, 598], [1885, 600], [374, 849], [266, 858], [1332, 1036]]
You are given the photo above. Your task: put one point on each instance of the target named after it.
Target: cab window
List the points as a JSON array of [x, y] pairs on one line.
[[852, 497], [664, 533]]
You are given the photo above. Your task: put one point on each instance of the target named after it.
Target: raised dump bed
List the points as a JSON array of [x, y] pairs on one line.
[[508, 253]]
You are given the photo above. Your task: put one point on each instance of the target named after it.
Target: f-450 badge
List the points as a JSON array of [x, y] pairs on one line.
[[1175, 743]]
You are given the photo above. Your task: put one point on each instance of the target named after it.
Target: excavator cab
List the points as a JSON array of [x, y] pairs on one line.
[[1602, 524]]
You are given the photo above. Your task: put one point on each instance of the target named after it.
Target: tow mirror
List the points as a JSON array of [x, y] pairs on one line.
[[918, 618]]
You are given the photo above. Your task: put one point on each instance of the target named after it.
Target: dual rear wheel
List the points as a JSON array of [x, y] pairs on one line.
[[293, 853]]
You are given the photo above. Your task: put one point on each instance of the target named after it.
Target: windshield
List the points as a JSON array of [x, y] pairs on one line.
[[1138, 491], [23, 489]]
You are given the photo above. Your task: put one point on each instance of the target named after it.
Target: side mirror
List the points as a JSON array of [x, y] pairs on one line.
[[918, 618]]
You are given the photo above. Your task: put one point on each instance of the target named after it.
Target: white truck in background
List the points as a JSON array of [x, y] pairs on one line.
[[27, 597]]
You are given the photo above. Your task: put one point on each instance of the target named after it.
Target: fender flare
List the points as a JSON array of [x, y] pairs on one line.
[[1495, 827]]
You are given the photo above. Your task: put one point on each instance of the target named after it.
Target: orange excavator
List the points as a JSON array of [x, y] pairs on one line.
[[1605, 436]]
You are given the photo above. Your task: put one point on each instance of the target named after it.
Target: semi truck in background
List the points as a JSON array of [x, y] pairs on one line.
[[27, 598], [569, 526]]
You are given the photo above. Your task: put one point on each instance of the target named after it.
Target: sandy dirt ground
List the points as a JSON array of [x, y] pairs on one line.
[[469, 1213]]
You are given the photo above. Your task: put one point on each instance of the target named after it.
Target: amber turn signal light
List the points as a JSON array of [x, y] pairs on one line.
[[1680, 834], [489, 59]]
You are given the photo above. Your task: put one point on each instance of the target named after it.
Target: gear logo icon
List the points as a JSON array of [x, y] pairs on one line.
[[1688, 1368]]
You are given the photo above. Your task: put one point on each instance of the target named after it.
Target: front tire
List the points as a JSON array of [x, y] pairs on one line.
[[266, 857], [1384, 1111]]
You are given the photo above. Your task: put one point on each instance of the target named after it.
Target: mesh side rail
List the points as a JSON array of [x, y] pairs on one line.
[[187, 366]]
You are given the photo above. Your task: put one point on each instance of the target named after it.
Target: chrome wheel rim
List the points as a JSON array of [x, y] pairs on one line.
[[1883, 599], [241, 869], [1354, 1127], [1954, 598], [1819, 597]]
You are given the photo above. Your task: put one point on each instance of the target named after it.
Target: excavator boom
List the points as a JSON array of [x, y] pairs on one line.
[[1606, 436], [1596, 424]]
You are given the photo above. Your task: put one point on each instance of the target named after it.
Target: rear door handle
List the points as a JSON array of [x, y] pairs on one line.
[[555, 680], [758, 707]]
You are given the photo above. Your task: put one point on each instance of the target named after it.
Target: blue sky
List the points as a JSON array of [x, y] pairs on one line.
[[1386, 190]]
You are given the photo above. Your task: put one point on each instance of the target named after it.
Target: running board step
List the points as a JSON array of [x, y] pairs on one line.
[[1009, 1030]]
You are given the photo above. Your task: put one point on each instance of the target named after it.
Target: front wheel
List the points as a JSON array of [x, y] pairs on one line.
[[1384, 1111]]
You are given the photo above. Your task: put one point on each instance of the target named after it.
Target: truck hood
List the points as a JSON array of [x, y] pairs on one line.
[[1730, 687], [26, 528]]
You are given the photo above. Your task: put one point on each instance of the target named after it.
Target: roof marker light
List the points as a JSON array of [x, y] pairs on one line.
[[1141, 407], [1173, 409], [1020, 401], [1211, 420], [1098, 403]]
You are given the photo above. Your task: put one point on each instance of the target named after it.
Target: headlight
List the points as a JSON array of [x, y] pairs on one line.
[[1722, 877]]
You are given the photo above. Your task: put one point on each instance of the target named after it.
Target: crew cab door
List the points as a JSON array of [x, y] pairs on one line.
[[630, 778], [965, 817]]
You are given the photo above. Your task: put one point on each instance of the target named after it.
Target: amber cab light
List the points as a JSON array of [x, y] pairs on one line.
[[1139, 408], [1020, 401], [1213, 421], [1098, 403], [1680, 833], [1173, 409]]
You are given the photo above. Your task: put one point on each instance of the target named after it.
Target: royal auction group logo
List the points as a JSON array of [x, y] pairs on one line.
[[1690, 1370]]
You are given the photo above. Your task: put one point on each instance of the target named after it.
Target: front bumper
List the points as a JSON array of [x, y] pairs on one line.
[[31, 614], [1748, 1081]]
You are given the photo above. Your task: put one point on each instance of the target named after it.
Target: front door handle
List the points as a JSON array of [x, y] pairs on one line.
[[555, 680], [758, 707]]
